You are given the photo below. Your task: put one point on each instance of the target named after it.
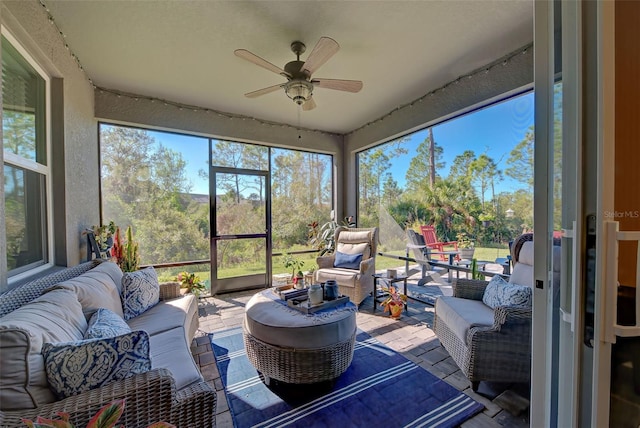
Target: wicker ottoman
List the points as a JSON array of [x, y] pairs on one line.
[[293, 347]]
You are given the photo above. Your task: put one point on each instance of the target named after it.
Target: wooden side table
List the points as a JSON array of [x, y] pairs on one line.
[[379, 294]]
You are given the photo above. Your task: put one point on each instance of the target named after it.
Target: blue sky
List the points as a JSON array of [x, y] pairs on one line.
[[494, 130]]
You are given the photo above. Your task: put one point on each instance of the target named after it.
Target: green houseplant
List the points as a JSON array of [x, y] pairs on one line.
[[295, 264], [191, 282], [475, 273], [104, 235], [322, 237], [465, 245]]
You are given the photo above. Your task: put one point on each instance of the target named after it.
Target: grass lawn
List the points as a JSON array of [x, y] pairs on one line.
[[481, 254]]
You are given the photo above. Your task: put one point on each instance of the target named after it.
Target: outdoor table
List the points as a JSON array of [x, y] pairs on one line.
[[287, 345], [506, 264], [379, 295], [452, 255], [467, 263]]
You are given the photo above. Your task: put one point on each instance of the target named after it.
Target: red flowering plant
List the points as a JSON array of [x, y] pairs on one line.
[[125, 251]]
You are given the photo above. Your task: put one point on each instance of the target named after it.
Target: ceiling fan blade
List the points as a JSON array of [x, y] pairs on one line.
[[263, 91], [309, 105], [338, 84], [255, 59], [322, 51]]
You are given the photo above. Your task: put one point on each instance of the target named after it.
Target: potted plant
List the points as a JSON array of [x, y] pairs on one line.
[[308, 276], [466, 246], [104, 235], [107, 417], [295, 264], [322, 237], [394, 302], [125, 253], [191, 282]]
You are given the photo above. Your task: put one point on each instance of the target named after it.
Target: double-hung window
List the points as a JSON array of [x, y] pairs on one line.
[[26, 163]]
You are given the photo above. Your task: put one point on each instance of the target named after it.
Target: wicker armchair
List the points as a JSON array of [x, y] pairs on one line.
[[355, 283], [498, 350]]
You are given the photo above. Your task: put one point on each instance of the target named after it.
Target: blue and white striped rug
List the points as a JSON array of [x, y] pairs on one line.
[[381, 388]]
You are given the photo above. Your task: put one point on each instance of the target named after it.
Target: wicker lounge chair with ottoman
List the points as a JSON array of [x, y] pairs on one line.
[[80, 338], [353, 264], [486, 326]]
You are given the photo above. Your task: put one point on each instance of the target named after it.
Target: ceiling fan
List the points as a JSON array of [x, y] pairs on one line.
[[299, 86]]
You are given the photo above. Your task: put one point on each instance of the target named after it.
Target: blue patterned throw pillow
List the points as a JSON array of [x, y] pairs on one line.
[[347, 261], [140, 291], [501, 293], [105, 323], [75, 367]]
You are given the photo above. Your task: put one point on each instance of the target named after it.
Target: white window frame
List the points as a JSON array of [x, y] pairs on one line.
[[28, 164]]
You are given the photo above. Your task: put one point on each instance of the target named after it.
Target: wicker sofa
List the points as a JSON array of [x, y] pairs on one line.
[[173, 390], [491, 344]]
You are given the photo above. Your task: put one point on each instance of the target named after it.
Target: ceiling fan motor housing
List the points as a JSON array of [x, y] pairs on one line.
[[298, 90]]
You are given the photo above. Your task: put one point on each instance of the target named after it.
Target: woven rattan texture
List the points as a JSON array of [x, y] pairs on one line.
[[150, 391], [299, 365], [20, 296], [169, 290]]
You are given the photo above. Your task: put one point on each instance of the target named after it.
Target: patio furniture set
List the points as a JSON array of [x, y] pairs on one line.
[[145, 330]]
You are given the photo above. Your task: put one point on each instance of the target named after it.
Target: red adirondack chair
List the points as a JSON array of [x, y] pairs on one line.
[[431, 240]]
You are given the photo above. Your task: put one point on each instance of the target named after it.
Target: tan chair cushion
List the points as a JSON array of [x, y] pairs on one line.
[[462, 314], [344, 277], [355, 242]]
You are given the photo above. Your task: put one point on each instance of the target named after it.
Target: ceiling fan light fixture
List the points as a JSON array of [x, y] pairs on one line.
[[299, 90]]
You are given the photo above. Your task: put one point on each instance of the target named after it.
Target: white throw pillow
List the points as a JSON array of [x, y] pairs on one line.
[[501, 293]]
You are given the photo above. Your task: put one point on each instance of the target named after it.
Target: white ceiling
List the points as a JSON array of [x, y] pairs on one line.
[[183, 50]]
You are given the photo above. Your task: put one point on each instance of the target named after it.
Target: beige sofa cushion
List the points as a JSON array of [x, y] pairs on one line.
[[168, 315], [53, 317], [462, 314], [170, 350], [97, 288]]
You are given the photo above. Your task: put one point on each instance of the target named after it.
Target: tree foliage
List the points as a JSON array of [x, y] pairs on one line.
[[419, 170], [145, 186]]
